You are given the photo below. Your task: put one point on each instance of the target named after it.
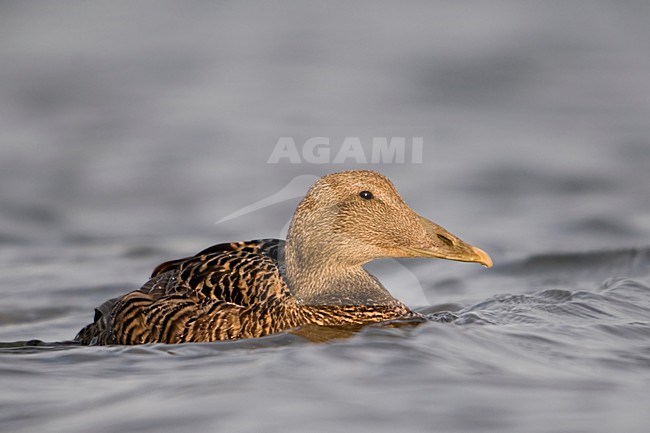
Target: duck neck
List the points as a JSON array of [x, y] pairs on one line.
[[316, 275]]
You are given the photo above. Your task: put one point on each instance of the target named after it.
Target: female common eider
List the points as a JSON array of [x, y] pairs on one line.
[[315, 277]]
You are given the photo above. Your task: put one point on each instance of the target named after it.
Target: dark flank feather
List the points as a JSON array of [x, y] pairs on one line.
[[227, 291]]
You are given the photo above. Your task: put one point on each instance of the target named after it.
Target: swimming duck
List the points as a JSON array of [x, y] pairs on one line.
[[256, 288]]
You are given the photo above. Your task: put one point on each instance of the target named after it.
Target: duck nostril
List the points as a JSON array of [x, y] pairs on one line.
[[446, 240]]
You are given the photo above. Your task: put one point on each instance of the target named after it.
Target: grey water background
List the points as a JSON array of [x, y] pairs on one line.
[[128, 128]]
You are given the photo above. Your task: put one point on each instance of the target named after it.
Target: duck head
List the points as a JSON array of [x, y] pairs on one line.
[[350, 218]]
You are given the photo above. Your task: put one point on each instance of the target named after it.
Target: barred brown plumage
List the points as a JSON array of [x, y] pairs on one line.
[[261, 287]]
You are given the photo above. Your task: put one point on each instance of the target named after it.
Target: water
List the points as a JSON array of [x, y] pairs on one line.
[[128, 129]]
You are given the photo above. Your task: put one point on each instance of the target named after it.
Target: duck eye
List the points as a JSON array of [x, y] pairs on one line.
[[366, 195]]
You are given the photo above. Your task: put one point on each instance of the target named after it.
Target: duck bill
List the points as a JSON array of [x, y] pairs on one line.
[[443, 245]]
